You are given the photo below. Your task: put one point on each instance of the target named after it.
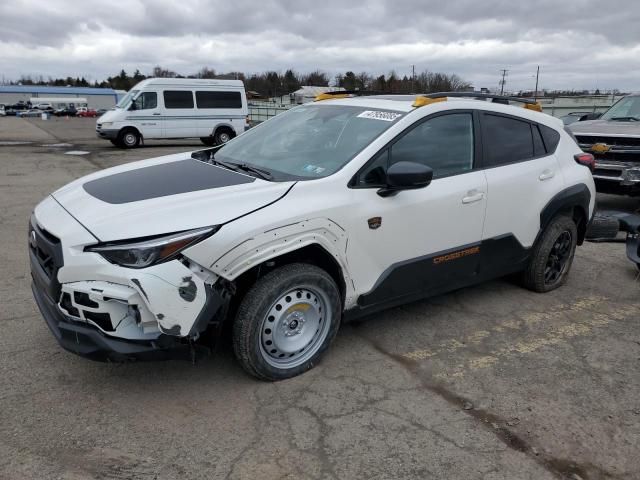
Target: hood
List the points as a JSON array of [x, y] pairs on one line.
[[109, 116], [163, 195], [612, 128]]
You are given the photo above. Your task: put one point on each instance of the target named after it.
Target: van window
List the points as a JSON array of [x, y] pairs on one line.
[[218, 100], [178, 99], [146, 100]]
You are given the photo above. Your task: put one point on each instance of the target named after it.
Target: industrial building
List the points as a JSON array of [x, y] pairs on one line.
[[81, 96]]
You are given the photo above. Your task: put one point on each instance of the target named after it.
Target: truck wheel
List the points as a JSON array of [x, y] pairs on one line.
[[129, 138], [223, 135], [286, 321], [552, 256]]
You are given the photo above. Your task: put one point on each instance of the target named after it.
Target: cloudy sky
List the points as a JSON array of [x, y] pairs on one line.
[[581, 44]]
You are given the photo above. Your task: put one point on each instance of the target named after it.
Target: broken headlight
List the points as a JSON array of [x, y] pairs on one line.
[[141, 253]]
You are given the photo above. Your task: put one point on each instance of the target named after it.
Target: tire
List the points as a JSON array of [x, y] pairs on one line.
[[602, 227], [208, 141], [128, 138], [552, 256], [223, 135], [115, 142], [273, 333]]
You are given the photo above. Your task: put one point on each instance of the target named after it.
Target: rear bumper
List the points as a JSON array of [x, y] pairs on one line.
[[91, 343]]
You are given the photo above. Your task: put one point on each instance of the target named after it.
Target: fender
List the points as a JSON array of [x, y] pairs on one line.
[[569, 198], [285, 239]]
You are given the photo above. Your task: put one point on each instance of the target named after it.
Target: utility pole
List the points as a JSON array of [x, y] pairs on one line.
[[535, 94], [503, 81], [413, 78]]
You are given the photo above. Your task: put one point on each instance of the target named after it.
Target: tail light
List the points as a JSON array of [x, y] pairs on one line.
[[586, 159]]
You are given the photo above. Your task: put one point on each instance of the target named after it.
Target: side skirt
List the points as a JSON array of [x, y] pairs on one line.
[[442, 272]]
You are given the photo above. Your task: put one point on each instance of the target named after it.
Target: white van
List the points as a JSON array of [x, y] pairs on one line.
[[169, 108]]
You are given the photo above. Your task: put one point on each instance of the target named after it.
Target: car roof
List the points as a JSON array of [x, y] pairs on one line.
[[404, 103]]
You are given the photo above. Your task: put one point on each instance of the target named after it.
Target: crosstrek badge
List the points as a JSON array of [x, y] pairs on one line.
[[379, 115]]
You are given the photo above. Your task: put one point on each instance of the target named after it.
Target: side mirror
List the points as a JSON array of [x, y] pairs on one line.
[[406, 176], [590, 116]]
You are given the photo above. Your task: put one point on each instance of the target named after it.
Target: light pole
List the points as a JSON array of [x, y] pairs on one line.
[[535, 94]]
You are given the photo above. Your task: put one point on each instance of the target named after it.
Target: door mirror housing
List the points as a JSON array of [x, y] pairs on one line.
[[406, 176]]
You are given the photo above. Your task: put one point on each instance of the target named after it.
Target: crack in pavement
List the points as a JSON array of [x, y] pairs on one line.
[[560, 467]]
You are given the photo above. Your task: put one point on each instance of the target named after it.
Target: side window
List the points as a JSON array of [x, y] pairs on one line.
[[444, 143], [218, 100], [506, 140], [551, 138], [146, 100], [178, 98]]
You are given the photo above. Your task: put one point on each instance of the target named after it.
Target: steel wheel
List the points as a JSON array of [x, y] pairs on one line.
[[295, 327], [557, 261]]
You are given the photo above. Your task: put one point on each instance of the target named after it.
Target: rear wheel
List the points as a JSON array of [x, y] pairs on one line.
[[129, 138], [552, 256], [286, 321], [208, 141], [222, 135]]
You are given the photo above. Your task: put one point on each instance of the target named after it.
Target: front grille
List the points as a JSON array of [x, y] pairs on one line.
[[621, 149], [46, 259], [618, 141]]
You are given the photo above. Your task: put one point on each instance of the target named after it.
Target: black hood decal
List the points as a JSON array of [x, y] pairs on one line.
[[162, 180]]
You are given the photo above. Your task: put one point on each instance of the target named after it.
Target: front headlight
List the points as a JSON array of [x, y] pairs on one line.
[[143, 253], [106, 124]]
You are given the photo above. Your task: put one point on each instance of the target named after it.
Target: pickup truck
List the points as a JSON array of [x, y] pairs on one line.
[[614, 141]]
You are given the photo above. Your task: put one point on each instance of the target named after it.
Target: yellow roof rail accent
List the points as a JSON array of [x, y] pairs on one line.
[[422, 101], [329, 96], [536, 107]]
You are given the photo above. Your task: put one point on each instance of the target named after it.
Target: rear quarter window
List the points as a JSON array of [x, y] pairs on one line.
[[506, 140], [551, 138], [206, 99]]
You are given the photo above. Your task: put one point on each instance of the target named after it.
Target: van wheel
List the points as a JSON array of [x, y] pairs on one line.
[[552, 256], [222, 136], [208, 141], [286, 321], [129, 138], [115, 142]]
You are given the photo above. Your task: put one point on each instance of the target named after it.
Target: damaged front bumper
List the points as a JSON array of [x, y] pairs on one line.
[[120, 314]]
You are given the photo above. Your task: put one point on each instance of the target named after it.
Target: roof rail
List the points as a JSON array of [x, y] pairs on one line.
[[421, 100], [345, 94]]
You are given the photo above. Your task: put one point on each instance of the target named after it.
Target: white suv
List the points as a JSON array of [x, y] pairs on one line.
[[327, 212]]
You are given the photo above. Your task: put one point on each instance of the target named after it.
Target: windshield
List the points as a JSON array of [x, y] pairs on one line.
[[310, 141], [627, 108], [124, 101]]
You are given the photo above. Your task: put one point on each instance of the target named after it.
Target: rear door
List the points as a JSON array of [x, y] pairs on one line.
[[523, 175]]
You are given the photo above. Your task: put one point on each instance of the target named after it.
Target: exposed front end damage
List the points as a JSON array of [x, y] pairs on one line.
[[106, 312]]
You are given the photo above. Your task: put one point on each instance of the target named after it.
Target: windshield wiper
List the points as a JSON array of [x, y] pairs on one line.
[[632, 119], [263, 174]]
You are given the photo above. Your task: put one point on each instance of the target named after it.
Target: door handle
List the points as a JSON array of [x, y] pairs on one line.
[[156, 113], [473, 196], [546, 175]]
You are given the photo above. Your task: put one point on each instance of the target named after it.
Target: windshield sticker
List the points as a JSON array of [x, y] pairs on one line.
[[314, 169], [378, 115]]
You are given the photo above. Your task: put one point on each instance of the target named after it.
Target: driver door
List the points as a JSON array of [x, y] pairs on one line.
[[144, 114], [423, 241]]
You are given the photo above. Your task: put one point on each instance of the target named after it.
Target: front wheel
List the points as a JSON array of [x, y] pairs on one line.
[[552, 256], [129, 138], [286, 321]]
